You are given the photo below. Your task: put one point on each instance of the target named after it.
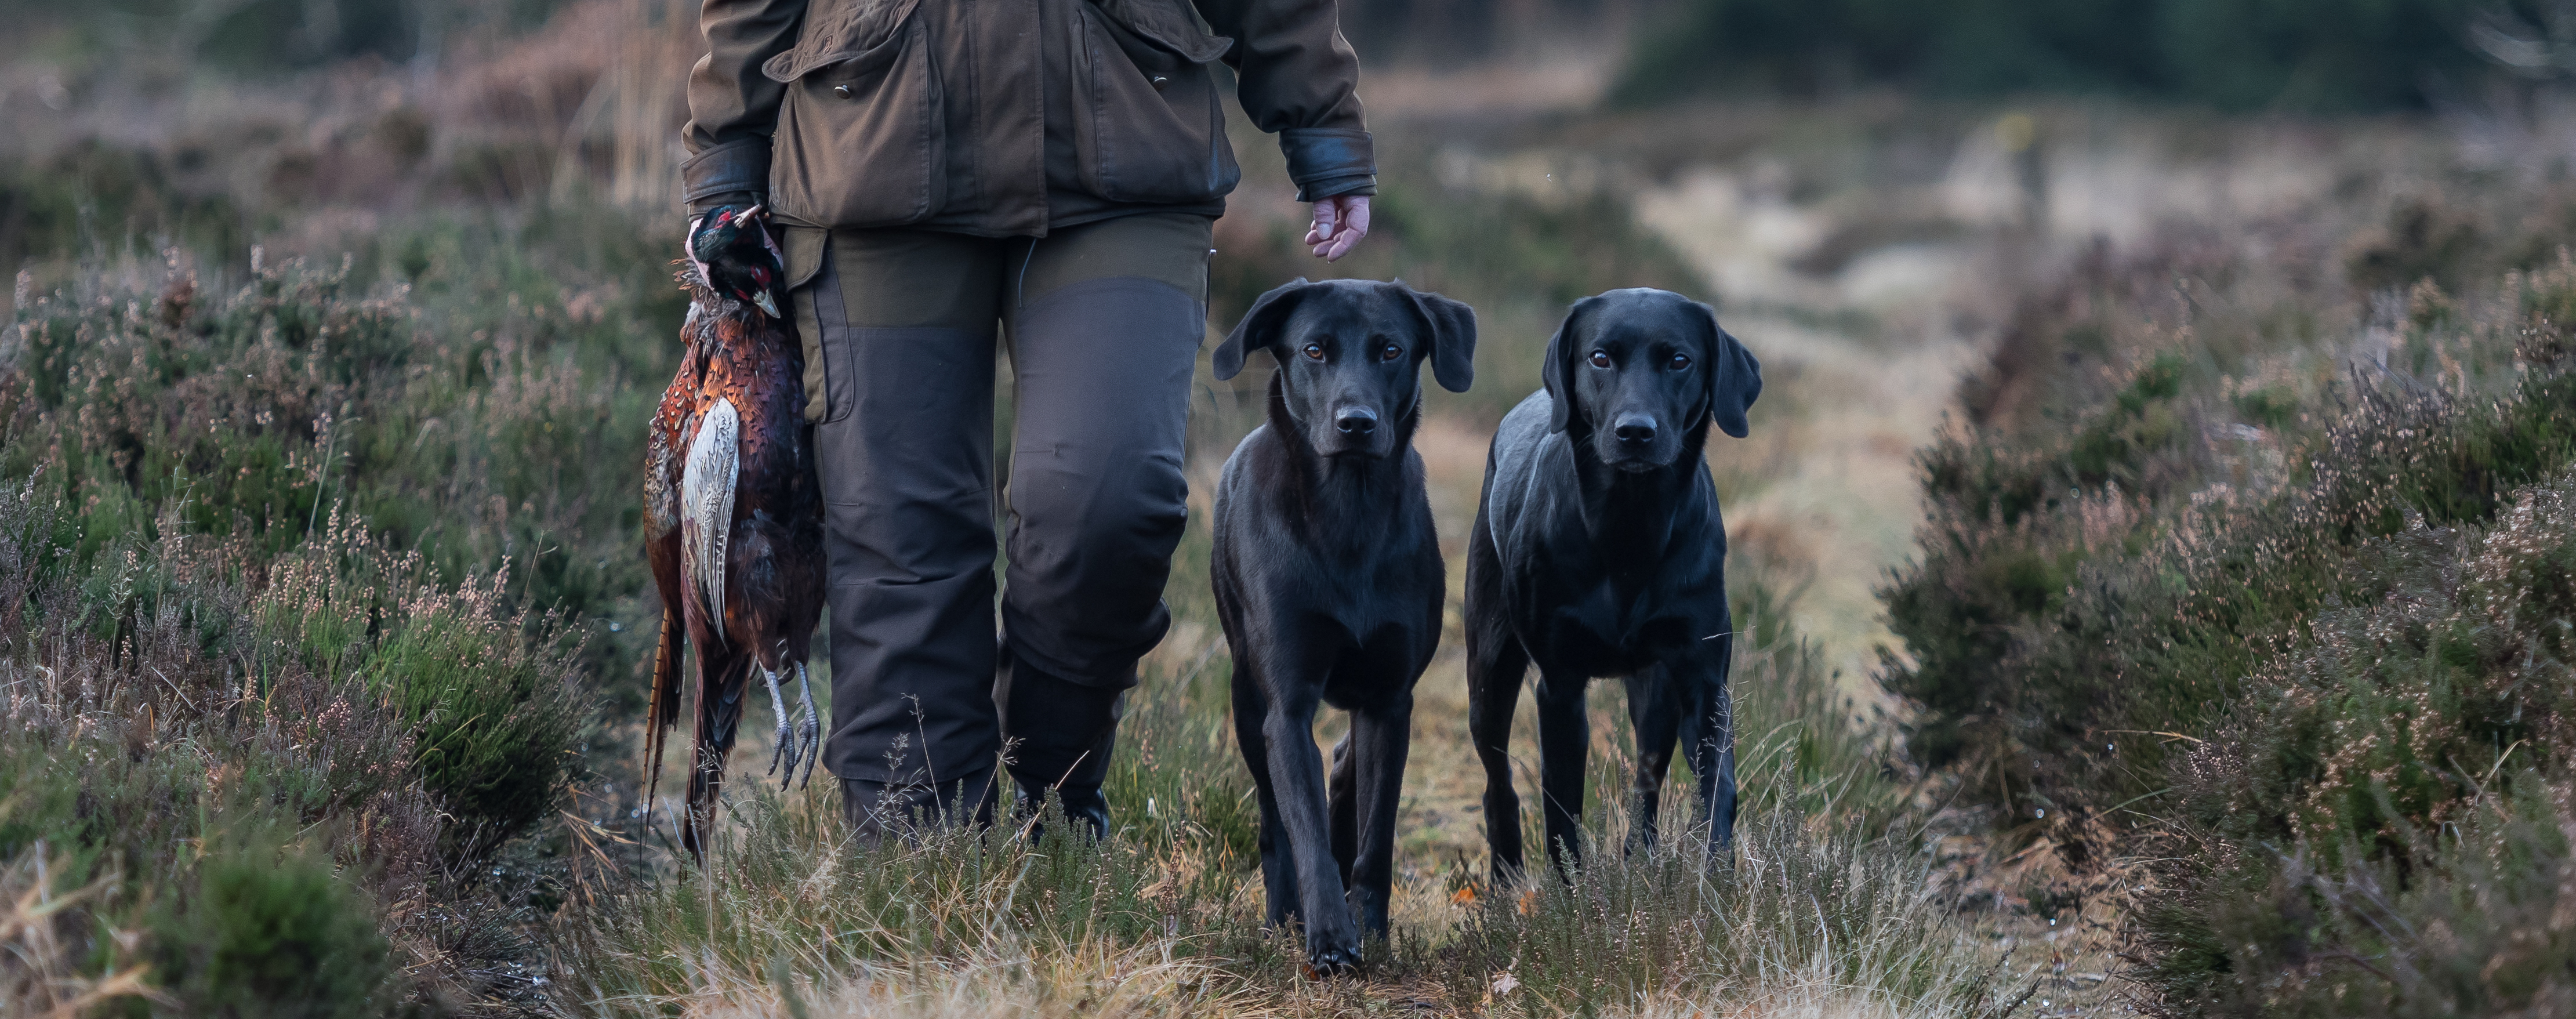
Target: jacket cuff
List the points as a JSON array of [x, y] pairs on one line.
[[1320, 154], [721, 199], [731, 167], [1316, 191]]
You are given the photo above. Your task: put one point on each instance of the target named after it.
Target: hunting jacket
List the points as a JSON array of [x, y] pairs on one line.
[[1007, 118]]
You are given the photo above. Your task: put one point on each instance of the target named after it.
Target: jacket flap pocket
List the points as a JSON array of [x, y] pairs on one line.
[[804, 249], [855, 30], [1170, 24]]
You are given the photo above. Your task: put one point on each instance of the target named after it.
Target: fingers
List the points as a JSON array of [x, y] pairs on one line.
[[1355, 225], [1327, 222], [1340, 222]]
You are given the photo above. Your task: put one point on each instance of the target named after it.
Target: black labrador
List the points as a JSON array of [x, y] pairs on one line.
[[1329, 583], [1598, 551]]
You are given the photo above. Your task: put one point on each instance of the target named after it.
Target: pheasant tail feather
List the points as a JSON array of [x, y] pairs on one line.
[[665, 706], [706, 507]]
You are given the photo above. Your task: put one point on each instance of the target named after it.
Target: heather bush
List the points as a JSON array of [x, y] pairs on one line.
[[2283, 613], [215, 799], [287, 632], [2404, 765], [2465, 919], [2097, 567]]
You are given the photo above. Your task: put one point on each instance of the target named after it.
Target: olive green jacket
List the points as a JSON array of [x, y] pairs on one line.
[[1010, 117]]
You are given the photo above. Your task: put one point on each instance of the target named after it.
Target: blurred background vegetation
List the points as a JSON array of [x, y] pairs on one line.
[[2154, 541]]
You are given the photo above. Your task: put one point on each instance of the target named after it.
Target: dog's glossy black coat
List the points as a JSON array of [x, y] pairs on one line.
[[1329, 584], [1598, 551]]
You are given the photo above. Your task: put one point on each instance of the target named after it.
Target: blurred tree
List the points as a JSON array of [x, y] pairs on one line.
[[2537, 44], [251, 37], [1448, 32], [2232, 54]]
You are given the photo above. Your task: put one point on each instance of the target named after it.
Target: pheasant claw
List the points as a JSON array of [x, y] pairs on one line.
[[786, 742], [812, 729]]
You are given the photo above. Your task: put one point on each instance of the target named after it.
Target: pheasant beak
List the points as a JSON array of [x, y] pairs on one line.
[[767, 303]]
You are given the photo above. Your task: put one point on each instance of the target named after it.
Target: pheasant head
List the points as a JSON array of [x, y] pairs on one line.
[[737, 257]]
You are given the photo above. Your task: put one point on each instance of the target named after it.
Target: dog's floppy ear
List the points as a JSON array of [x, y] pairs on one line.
[[1259, 327], [1734, 377], [1556, 370], [1453, 338]]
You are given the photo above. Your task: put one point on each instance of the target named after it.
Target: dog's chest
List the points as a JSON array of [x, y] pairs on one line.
[[1366, 595], [1610, 628]]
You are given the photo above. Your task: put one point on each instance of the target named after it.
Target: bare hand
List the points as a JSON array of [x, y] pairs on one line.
[[1340, 222]]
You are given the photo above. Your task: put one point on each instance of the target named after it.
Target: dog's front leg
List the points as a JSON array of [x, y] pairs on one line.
[[1297, 784], [1278, 864], [1380, 739], [1564, 740], [1496, 664]]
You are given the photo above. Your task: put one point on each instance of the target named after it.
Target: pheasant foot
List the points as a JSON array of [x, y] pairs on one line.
[[811, 731], [787, 747]]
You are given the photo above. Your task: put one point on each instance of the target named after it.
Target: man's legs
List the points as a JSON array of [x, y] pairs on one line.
[[904, 451], [1104, 322]]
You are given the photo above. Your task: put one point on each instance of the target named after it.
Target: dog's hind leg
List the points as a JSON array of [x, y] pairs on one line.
[[1380, 740], [1342, 804], [1709, 735], [1655, 711]]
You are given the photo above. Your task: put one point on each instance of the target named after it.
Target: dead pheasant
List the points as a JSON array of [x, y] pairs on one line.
[[733, 518]]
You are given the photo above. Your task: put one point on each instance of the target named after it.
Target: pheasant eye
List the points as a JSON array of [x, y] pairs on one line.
[[1390, 352], [1601, 359], [1314, 351], [1679, 362]]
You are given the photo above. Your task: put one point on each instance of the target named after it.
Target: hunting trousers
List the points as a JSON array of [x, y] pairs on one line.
[[1101, 323]]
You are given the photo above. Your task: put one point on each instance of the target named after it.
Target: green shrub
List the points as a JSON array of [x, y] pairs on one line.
[[271, 933], [494, 714]]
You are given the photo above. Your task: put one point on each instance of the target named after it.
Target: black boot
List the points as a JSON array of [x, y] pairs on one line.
[[1061, 735]]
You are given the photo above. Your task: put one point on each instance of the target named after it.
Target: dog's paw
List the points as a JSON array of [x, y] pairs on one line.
[[1331, 960]]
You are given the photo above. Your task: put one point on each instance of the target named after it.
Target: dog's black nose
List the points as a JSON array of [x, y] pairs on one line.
[[1634, 429], [1356, 421]]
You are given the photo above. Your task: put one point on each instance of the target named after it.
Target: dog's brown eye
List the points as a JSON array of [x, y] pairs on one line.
[[1389, 352], [1679, 362], [1601, 359], [1314, 351]]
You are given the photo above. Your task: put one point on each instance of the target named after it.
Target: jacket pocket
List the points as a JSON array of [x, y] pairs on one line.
[[806, 248], [861, 139], [1149, 126]]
